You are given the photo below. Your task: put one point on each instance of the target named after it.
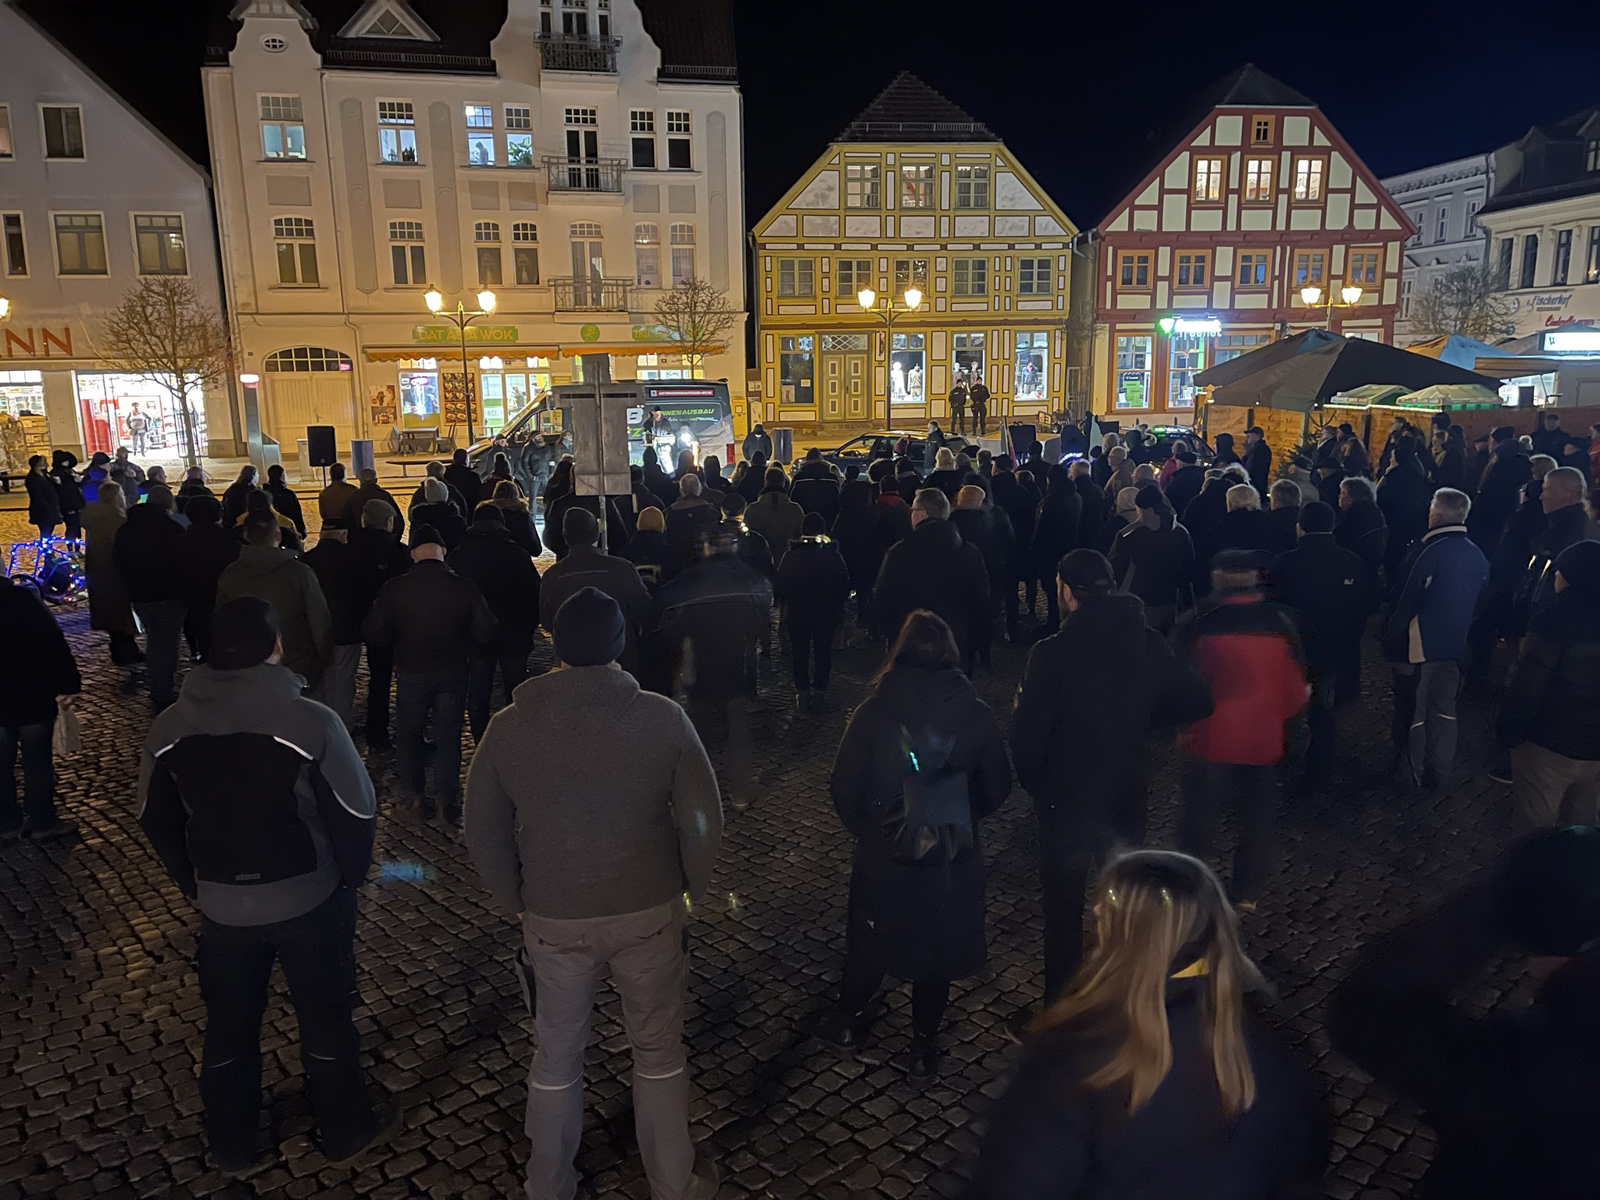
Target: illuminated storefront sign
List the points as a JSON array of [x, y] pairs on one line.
[[1572, 341], [1192, 326], [475, 333]]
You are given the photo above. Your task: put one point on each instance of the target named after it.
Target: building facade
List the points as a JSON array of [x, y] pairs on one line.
[[578, 161], [914, 194], [92, 199], [1443, 203], [1205, 257], [1543, 224]]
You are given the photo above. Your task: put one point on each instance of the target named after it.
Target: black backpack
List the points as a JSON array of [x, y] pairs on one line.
[[934, 822]]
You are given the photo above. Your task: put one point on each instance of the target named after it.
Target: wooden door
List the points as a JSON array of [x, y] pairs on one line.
[[294, 400], [857, 393], [833, 389]]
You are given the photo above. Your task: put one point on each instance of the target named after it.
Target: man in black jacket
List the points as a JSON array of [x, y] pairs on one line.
[[36, 669], [284, 499], [435, 470], [586, 566], [437, 512], [263, 815], [376, 557], [202, 553], [1257, 459], [510, 583], [1512, 1096], [816, 487], [1361, 527], [145, 555], [1566, 523], [989, 529], [1186, 481], [1055, 534], [1092, 523], [335, 567], [812, 584], [460, 475], [1083, 756], [1550, 718], [436, 622], [1499, 490], [750, 546], [1153, 559], [936, 570]]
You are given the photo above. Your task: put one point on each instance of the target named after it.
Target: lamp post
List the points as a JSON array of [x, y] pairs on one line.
[[1312, 295], [886, 312], [462, 317], [5, 307]]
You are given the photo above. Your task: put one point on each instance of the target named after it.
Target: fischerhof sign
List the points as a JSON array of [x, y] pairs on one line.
[[35, 342]]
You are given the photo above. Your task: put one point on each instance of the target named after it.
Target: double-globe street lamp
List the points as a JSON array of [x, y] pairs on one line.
[[463, 316], [886, 312], [1312, 295]]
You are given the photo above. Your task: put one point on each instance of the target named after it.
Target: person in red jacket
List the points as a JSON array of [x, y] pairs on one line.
[[1248, 649]]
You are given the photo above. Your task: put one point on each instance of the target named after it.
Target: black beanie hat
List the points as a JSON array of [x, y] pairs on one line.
[[1086, 571], [589, 629], [244, 632], [579, 527], [1316, 517], [1150, 496], [1550, 890]]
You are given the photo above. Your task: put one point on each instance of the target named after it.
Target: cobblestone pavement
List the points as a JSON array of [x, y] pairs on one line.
[[100, 1015]]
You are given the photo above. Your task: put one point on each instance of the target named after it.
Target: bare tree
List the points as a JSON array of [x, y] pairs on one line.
[[164, 333], [696, 315], [1463, 300]]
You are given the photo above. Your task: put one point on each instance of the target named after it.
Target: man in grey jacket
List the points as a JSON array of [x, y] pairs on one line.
[[596, 853]]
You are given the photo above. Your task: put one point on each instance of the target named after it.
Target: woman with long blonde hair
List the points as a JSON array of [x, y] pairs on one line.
[[1145, 1079]]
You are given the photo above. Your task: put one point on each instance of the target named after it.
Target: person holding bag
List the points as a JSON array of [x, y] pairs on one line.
[[922, 762]]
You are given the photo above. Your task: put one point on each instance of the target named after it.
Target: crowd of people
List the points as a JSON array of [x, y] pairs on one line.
[[1224, 601]]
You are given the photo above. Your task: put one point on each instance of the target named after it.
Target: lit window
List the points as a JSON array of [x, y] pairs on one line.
[[1308, 178], [480, 135], [1252, 270], [861, 186], [1308, 267], [1035, 277], [1186, 357], [80, 244], [397, 131], [1363, 267], [407, 253], [6, 146], [1258, 173], [969, 276], [159, 241], [63, 131], [487, 236], [307, 359], [16, 249], [1261, 131], [1591, 257], [296, 250], [283, 130], [850, 275], [682, 237], [519, 138], [972, 186], [647, 254], [1133, 271], [680, 155], [642, 130], [1133, 371], [797, 277], [1192, 268], [916, 185], [1208, 175], [910, 272], [525, 253]]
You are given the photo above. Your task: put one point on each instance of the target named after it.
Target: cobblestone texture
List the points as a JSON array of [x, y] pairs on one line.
[[100, 1015]]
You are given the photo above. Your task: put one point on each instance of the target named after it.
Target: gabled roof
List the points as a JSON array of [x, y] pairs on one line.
[[388, 19], [908, 110], [1552, 166]]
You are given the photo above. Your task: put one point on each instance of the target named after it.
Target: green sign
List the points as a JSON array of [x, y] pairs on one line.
[[1165, 324], [500, 334], [590, 333], [652, 333]]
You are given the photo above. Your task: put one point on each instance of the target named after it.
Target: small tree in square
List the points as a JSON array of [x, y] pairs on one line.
[[1463, 300], [164, 333], [695, 315]]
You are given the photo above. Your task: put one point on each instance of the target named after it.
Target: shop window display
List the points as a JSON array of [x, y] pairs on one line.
[[1133, 371], [966, 357], [796, 371], [1188, 357], [908, 369], [1032, 363], [141, 414], [24, 430], [419, 396]]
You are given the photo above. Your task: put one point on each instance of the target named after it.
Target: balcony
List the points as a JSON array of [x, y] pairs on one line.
[[585, 174], [564, 52], [591, 295]]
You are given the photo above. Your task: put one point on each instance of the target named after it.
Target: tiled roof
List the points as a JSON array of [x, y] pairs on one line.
[[908, 110], [1553, 164]]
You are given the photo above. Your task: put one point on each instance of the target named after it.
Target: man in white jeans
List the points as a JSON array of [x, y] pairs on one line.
[[592, 811]]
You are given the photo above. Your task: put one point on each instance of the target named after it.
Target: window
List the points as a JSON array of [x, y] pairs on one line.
[[486, 236], [910, 272], [1029, 376], [972, 186], [1253, 269], [1133, 270], [159, 241], [1363, 268], [1308, 267], [283, 130], [1261, 131], [1258, 173], [796, 381], [1530, 259], [1441, 228], [525, 253], [1035, 277], [642, 127], [16, 249], [80, 244], [1186, 356], [861, 186], [397, 131], [1562, 265], [1226, 346], [63, 130], [519, 135], [966, 356], [1591, 257], [680, 155], [1419, 219], [1503, 267], [480, 135], [583, 143], [297, 251], [908, 368], [1133, 372], [797, 277], [682, 238], [1208, 175], [582, 116], [647, 254], [850, 275], [969, 276], [406, 254], [1406, 288], [916, 185], [307, 359], [1591, 156], [1193, 268], [1472, 216], [7, 149], [1308, 179]]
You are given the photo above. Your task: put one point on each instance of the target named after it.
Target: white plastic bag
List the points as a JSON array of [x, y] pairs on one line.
[[69, 731]]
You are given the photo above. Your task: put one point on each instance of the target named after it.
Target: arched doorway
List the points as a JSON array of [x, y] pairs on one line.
[[309, 385]]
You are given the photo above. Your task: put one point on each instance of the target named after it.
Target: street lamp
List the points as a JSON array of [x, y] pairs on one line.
[[911, 299], [1349, 297], [5, 308], [462, 317]]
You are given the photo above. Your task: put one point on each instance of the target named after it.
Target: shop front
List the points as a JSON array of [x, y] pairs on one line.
[[138, 412], [1153, 365], [24, 427]]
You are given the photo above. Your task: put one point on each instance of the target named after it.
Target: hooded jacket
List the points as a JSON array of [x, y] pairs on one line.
[[936, 570], [560, 825], [291, 587], [1436, 597], [444, 518], [775, 517], [1249, 651], [254, 797], [1056, 525], [434, 619], [813, 582]]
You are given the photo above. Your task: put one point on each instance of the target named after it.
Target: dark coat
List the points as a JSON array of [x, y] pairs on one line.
[[1258, 465], [519, 520], [949, 482], [1185, 485], [442, 515], [467, 483], [1334, 590], [989, 529], [1450, 468], [616, 527], [813, 581], [375, 558], [145, 555], [749, 546], [286, 502], [921, 921], [364, 493], [816, 493], [585, 566], [1403, 496], [1092, 524], [718, 608], [202, 553], [509, 581], [69, 489], [689, 520], [433, 618], [454, 496], [650, 552], [1019, 504], [1201, 517], [1156, 565], [1055, 527], [1283, 529], [1241, 529], [44, 500], [1050, 1138], [337, 573], [1553, 696], [1362, 529], [936, 570], [1499, 492], [852, 529], [37, 665]]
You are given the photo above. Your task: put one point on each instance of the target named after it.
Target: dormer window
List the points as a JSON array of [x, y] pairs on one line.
[[388, 19], [1261, 131], [1591, 156]]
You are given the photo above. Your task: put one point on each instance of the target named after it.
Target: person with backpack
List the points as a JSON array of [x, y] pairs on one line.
[[922, 762]]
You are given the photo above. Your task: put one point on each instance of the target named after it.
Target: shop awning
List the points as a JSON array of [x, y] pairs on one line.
[[443, 352], [1365, 397], [629, 349], [1451, 395]]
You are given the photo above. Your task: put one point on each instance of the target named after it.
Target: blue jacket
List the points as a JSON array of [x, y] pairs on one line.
[[1437, 594]]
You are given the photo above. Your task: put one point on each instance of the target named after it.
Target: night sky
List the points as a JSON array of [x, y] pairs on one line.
[[1075, 90]]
